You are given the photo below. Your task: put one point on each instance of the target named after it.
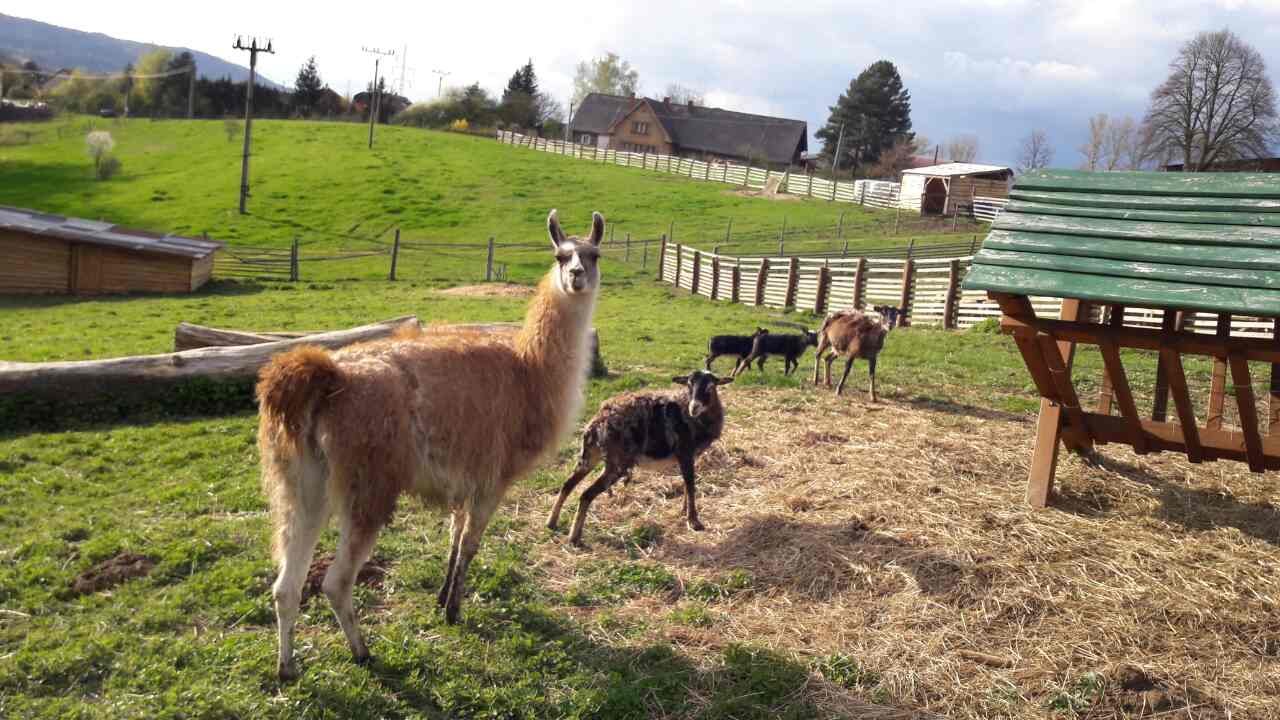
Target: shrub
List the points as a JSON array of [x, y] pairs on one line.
[[459, 125], [232, 128], [108, 167], [100, 145]]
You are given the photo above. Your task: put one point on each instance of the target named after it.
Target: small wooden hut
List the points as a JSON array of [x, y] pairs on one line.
[[1177, 244], [944, 189], [50, 254]]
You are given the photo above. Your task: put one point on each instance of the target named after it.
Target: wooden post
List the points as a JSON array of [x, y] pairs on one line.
[[860, 285], [611, 227], [662, 256], [810, 184], [715, 277], [824, 282], [395, 253], [761, 280], [1273, 397], [707, 175], [679, 262], [908, 279], [735, 291], [293, 261], [671, 231], [1160, 408], [1044, 460], [1106, 393], [953, 293], [728, 232], [782, 238], [793, 281], [697, 272], [1218, 383], [626, 254], [488, 262], [644, 254]]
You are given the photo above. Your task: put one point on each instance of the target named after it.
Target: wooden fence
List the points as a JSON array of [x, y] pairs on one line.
[[926, 291], [869, 193]]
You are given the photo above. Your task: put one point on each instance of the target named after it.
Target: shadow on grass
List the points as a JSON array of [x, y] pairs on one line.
[[951, 407]]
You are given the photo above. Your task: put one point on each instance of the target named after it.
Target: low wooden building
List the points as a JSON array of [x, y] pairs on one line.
[[944, 189], [52, 254]]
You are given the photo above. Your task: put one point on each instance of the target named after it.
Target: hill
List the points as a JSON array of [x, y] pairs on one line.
[[53, 47]]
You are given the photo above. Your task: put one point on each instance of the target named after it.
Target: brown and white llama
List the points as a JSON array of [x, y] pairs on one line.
[[451, 418], [851, 334]]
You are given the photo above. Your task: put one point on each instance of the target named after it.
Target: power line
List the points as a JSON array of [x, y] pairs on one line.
[[253, 48]]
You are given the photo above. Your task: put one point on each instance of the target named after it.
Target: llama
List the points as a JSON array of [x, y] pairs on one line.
[[853, 335], [648, 428], [452, 418]]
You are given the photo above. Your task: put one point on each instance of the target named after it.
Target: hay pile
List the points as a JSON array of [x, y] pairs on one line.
[[897, 535]]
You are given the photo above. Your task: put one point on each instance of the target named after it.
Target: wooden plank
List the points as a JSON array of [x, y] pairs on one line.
[[1044, 460], [1149, 202], [1059, 364], [1160, 406], [904, 304], [1273, 395], [1194, 274], [1125, 291], [1199, 217], [1248, 411], [1218, 383], [1153, 231], [1250, 185], [1258, 349], [1105, 392], [1123, 394], [1171, 360], [1166, 437], [1218, 256]]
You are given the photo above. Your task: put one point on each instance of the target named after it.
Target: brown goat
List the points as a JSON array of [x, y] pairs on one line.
[[850, 334], [452, 418]]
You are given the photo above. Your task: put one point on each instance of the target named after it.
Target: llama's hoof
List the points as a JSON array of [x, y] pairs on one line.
[[696, 524], [288, 672]]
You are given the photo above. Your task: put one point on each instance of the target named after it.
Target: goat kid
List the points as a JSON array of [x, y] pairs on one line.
[[452, 418], [647, 429], [789, 345], [740, 345], [851, 334]]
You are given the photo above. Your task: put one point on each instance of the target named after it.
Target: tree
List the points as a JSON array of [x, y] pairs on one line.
[[896, 158], [522, 105], [681, 95], [308, 88], [148, 92], [174, 88], [1034, 151], [1121, 136], [1217, 103], [963, 148], [609, 74], [875, 113], [1094, 148], [524, 80]]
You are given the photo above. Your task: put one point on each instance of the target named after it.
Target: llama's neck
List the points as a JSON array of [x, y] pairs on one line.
[[555, 343]]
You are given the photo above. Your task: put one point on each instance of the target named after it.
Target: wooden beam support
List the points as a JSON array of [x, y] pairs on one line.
[[1060, 372], [1218, 384], [1160, 405], [1273, 397], [1248, 411], [1123, 395], [1106, 393], [1253, 349], [1172, 363], [1057, 361], [1162, 437]]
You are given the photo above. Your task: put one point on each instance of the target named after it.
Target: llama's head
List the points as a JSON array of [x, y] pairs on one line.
[[577, 270], [702, 390]]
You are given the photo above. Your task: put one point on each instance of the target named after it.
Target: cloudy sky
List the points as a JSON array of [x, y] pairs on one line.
[[993, 68]]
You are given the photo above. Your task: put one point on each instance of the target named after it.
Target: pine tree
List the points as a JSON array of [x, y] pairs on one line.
[[875, 112], [308, 88], [520, 99]]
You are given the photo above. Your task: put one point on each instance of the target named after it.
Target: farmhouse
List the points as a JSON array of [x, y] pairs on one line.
[[643, 124], [42, 253], [940, 189]]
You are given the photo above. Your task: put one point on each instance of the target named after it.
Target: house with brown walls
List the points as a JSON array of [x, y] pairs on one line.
[[640, 124]]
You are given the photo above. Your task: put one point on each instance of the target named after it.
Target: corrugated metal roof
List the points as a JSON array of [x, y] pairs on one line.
[[96, 232], [953, 169]]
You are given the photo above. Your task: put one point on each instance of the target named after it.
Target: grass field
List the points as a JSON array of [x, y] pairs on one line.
[[861, 561]]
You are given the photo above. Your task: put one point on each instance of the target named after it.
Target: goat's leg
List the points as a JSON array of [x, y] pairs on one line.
[[456, 524], [817, 357], [848, 364], [871, 366], [478, 515], [607, 478], [830, 359], [354, 547], [710, 359], [296, 542], [586, 461], [690, 504]]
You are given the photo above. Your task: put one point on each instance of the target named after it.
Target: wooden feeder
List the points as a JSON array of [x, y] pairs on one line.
[[1177, 243]]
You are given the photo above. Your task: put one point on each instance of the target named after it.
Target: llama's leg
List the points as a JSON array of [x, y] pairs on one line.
[[456, 524], [586, 461], [296, 537], [848, 363], [607, 478], [478, 515], [690, 505], [354, 547]]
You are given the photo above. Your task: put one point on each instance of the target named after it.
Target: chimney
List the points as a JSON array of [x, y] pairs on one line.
[[667, 101], [632, 95], [691, 104]]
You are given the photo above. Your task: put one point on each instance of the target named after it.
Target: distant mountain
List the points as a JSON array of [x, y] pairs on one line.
[[53, 48]]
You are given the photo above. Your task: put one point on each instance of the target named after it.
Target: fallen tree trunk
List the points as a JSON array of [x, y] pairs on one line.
[[131, 377]]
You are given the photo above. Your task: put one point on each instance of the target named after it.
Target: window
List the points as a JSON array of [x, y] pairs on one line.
[[640, 127], [586, 139]]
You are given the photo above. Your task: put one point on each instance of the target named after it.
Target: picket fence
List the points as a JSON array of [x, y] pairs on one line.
[[926, 291], [868, 193]]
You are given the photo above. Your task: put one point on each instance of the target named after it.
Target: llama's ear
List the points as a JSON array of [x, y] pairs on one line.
[[681, 380], [597, 228], [554, 231]]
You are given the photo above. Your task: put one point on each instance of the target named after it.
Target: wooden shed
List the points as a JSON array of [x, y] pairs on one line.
[[1170, 244], [942, 189], [41, 253]]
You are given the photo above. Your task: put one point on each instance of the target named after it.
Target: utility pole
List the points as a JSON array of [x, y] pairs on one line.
[[404, 59], [191, 92], [568, 123], [253, 48], [376, 95], [440, 84], [835, 159]]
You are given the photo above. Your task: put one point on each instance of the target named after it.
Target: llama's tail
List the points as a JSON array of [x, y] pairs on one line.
[[290, 389]]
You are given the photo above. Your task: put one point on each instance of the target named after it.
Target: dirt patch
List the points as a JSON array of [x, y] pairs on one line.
[[488, 290], [112, 572], [761, 194], [812, 438], [371, 575], [1132, 691]]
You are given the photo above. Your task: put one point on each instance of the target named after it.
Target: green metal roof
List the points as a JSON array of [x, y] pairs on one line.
[[1194, 241]]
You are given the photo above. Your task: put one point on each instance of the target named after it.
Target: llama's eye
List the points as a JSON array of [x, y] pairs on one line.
[[562, 258]]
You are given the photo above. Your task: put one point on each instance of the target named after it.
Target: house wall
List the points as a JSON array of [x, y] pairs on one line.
[[113, 270], [912, 189], [30, 265], [201, 271], [626, 137]]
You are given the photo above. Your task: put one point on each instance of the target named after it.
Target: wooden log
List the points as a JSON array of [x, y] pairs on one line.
[[129, 377]]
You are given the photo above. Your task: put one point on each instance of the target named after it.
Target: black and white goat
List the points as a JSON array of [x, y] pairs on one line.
[[789, 345], [739, 345], [655, 429]]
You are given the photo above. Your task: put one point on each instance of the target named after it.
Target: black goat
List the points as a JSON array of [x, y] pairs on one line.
[[789, 345], [739, 345], [888, 315], [647, 428]]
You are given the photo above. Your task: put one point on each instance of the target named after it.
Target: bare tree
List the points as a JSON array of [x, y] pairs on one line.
[[1217, 103], [1121, 136], [1034, 151], [1094, 147], [963, 148], [681, 95]]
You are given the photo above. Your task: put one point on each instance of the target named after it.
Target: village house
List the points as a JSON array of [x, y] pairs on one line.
[[646, 125]]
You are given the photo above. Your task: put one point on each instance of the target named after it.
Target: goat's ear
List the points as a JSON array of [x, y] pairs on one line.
[[554, 231], [597, 228], [681, 380], [724, 381]]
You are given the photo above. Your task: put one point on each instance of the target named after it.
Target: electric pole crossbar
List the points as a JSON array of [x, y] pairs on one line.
[[253, 48]]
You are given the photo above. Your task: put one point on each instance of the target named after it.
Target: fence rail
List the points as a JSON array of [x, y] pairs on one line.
[[925, 290]]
